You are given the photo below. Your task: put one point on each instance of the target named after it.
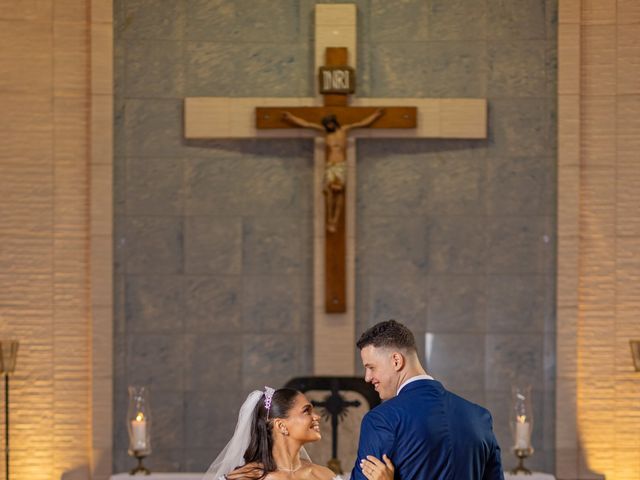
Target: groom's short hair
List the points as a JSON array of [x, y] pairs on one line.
[[388, 334]]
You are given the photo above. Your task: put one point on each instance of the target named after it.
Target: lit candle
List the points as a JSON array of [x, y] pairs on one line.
[[139, 432], [523, 432]]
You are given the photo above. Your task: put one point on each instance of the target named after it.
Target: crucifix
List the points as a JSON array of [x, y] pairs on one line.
[[224, 117], [335, 118]]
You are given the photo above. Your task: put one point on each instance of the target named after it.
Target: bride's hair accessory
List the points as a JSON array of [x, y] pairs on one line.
[[268, 397]]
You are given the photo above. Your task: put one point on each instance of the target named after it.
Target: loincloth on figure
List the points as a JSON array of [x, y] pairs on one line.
[[335, 173]]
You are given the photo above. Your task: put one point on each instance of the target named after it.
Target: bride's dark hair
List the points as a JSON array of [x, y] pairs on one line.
[[259, 451]]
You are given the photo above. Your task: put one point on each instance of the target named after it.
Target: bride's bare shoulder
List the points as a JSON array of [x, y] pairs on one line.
[[250, 471], [318, 472]]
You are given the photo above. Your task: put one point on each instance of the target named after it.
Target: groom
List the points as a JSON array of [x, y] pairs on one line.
[[426, 431]]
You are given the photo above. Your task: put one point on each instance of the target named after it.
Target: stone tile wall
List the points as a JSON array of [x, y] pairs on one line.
[[213, 239]]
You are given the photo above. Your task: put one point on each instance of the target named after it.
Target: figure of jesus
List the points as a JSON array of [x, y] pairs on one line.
[[335, 171]]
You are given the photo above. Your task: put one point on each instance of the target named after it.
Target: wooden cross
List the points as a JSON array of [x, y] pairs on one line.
[[335, 104], [224, 117]]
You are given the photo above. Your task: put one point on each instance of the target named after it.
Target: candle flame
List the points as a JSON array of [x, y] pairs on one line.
[[521, 418], [140, 417]]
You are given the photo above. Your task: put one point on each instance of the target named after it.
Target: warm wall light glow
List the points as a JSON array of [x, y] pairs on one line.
[[606, 133], [608, 389]]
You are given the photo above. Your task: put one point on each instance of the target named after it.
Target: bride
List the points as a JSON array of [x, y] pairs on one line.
[[273, 425]]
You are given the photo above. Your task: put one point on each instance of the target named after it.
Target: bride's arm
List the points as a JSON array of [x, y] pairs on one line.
[[246, 472]]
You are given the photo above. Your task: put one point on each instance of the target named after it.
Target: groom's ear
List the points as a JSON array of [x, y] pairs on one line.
[[398, 361]]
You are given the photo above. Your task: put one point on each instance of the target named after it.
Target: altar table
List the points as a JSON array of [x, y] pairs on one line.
[[159, 476], [533, 476], [198, 476]]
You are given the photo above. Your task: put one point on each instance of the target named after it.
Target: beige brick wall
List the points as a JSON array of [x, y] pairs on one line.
[[101, 237], [599, 240], [46, 182]]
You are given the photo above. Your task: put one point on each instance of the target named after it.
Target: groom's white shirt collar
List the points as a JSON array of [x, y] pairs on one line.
[[413, 379]]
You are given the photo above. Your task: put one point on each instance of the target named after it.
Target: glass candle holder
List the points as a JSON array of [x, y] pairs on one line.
[[521, 419], [521, 423], [139, 422]]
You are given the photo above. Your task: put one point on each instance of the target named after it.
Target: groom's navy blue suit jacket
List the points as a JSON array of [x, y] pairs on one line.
[[430, 433]]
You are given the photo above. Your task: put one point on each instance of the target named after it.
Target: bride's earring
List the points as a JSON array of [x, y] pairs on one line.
[[282, 427]]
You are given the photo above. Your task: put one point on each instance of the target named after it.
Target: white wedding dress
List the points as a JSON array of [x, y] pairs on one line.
[[339, 477]]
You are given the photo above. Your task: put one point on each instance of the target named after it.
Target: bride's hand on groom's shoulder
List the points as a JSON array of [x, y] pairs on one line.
[[375, 469]]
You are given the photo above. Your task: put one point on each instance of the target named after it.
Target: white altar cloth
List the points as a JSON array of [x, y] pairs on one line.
[[159, 476], [198, 476], [533, 476]]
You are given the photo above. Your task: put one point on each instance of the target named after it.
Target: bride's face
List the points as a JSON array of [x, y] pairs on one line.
[[302, 423]]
